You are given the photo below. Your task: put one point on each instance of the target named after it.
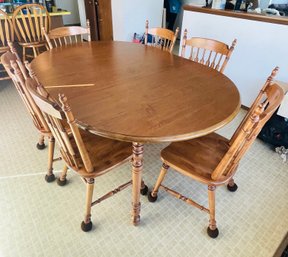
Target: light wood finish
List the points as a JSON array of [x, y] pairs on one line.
[[27, 21], [18, 74], [6, 34], [87, 154], [240, 15], [210, 52], [140, 95], [163, 39], [213, 159], [66, 35]]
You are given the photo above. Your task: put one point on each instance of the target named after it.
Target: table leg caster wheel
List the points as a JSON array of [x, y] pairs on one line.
[[151, 198], [86, 226], [61, 182], [40, 146], [50, 178], [212, 233], [144, 191], [232, 188]]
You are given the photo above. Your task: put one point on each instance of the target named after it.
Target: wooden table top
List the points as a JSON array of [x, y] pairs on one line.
[[138, 93]]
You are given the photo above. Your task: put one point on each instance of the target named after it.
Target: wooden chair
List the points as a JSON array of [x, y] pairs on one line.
[[28, 20], [163, 39], [213, 159], [87, 154], [6, 34], [18, 74], [210, 52], [66, 35]]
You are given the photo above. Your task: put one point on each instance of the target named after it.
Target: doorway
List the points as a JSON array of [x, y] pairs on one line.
[[99, 13]]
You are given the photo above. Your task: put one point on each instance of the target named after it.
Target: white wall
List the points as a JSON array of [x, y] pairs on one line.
[[129, 16], [71, 6], [261, 46]]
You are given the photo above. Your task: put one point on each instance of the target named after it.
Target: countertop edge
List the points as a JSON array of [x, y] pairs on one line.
[[241, 15]]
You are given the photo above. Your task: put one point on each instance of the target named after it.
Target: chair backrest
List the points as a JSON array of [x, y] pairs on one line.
[[72, 147], [28, 20], [67, 35], [210, 52], [11, 65], [264, 106], [163, 39], [6, 30]]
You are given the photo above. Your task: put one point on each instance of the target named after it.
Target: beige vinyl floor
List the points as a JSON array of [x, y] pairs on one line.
[[41, 219]]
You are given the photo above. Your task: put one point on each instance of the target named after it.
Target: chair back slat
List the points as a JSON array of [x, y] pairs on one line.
[[265, 105], [6, 30], [66, 35], [56, 115], [11, 65], [28, 20], [211, 51], [163, 39]]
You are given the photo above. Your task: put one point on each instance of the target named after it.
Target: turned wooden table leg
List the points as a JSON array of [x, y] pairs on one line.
[[137, 166]]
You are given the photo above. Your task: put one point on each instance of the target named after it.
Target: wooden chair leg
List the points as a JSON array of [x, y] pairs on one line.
[[24, 53], [61, 181], [49, 177], [86, 225], [212, 230], [152, 197], [144, 188], [41, 145], [232, 186], [34, 52]]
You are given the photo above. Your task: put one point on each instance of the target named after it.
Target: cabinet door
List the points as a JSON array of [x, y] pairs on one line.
[[91, 15], [104, 19]]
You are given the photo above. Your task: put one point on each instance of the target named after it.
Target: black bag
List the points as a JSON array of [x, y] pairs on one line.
[[275, 131]]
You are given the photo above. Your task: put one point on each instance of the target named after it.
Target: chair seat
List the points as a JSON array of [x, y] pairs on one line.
[[197, 158], [105, 154]]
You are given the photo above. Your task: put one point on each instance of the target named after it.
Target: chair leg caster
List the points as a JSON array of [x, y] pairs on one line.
[[40, 146], [86, 226], [212, 233], [232, 188], [61, 182], [49, 178], [144, 191], [151, 198]]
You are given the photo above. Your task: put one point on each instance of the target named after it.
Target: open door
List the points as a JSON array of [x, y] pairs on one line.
[[99, 13]]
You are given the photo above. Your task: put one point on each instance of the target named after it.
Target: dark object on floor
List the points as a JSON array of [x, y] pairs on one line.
[[285, 253], [275, 131]]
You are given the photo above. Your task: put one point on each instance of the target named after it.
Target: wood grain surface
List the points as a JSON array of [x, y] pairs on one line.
[[141, 94]]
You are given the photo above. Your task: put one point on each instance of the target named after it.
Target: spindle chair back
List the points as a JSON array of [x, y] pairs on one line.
[[6, 34], [28, 20], [163, 39], [67, 35], [18, 73], [209, 52]]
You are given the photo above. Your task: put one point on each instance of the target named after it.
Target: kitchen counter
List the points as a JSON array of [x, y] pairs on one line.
[[240, 14]]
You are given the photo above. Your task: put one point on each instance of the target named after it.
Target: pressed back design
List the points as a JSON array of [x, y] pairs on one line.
[[67, 35], [210, 52], [163, 39], [28, 20], [262, 109]]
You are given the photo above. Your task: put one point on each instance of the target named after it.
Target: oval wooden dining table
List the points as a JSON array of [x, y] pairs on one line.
[[137, 93]]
